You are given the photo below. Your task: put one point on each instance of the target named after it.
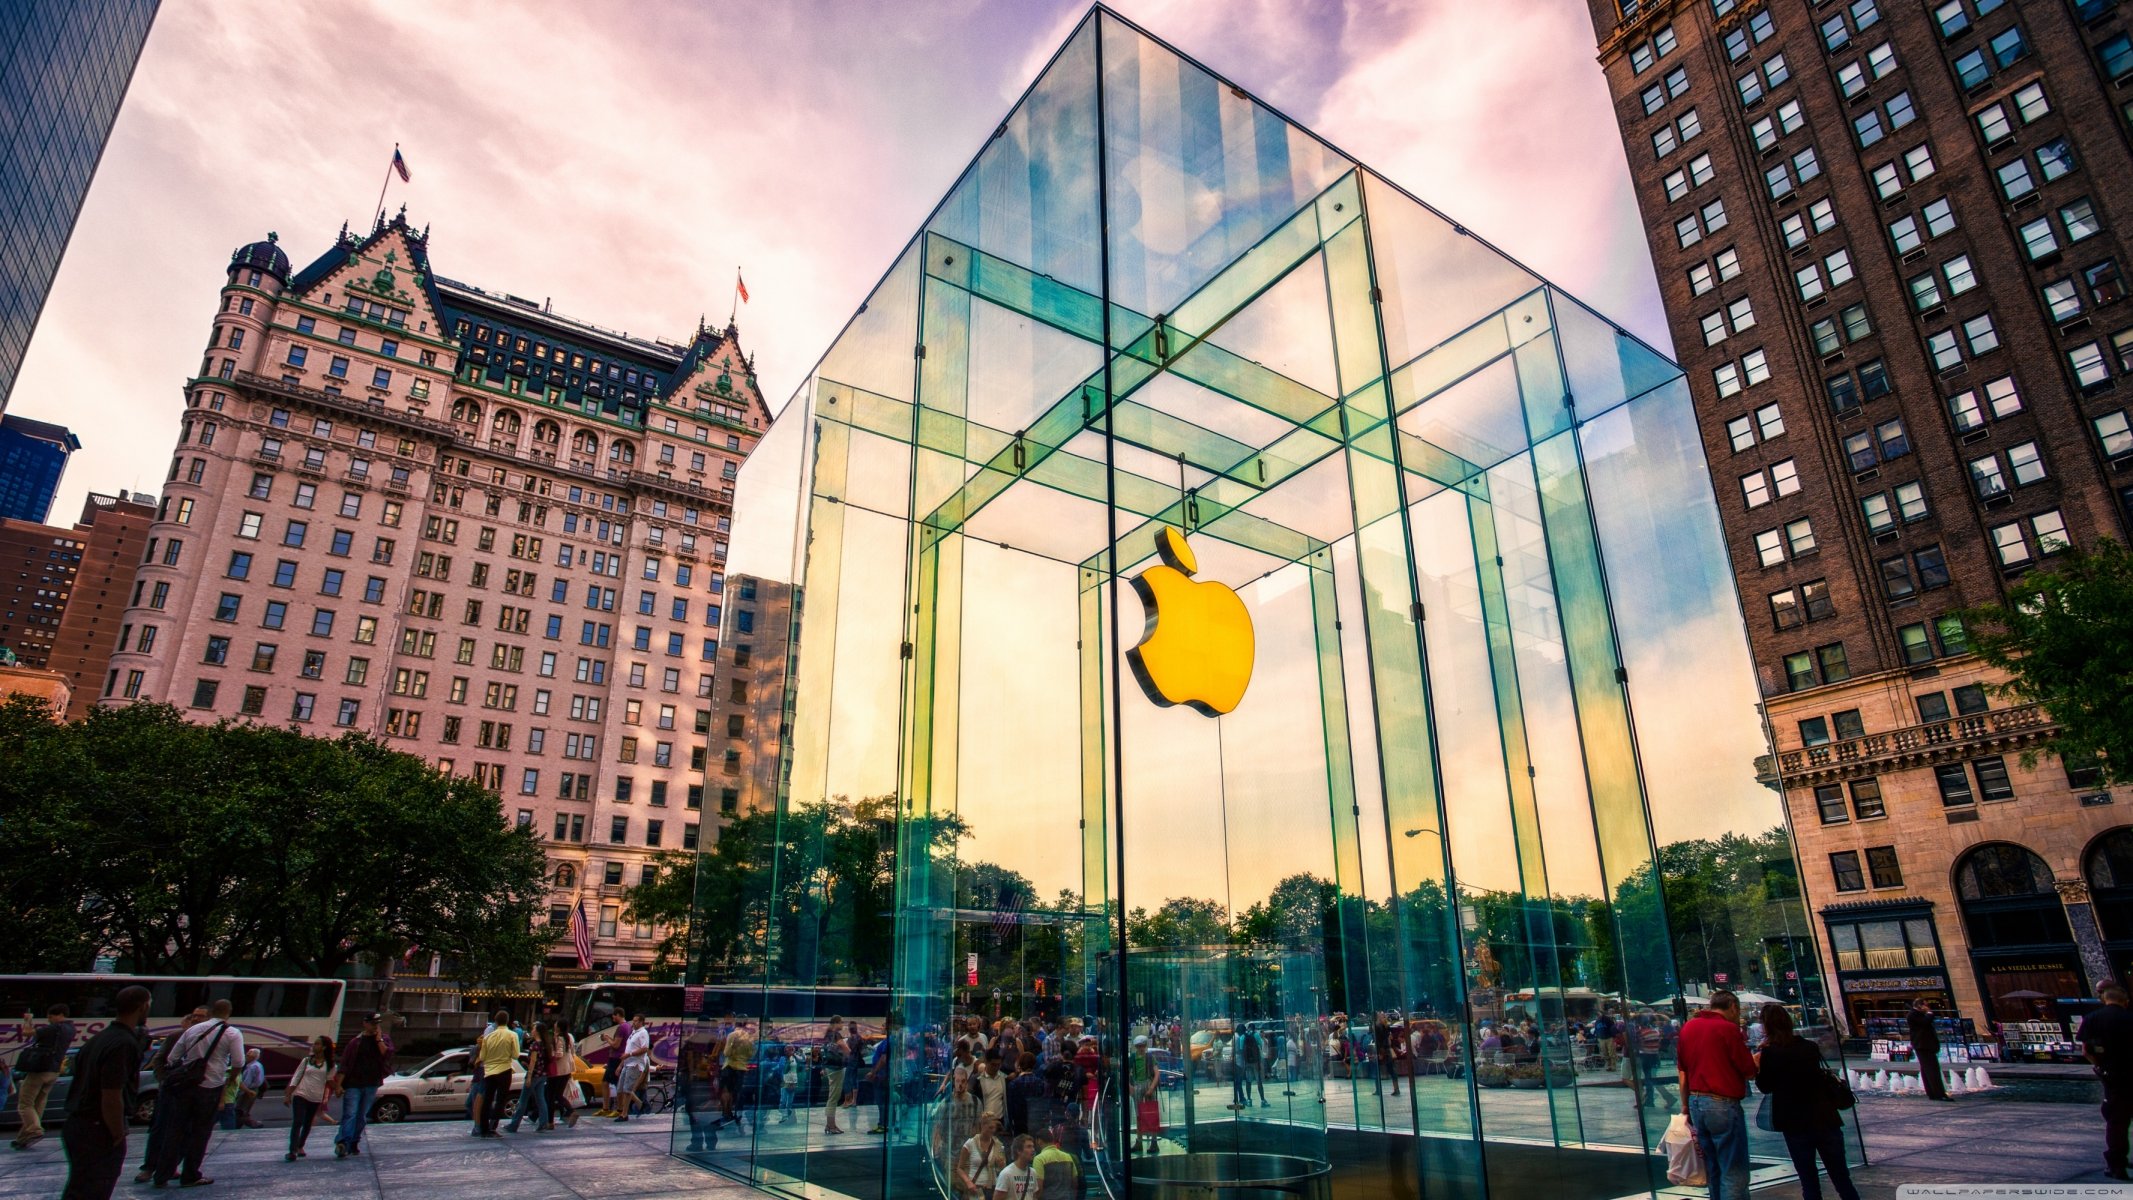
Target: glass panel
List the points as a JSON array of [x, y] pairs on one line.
[[1277, 642]]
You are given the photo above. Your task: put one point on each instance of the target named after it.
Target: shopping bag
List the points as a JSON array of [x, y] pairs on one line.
[[1763, 1119], [1149, 1117], [574, 1095], [1684, 1163]]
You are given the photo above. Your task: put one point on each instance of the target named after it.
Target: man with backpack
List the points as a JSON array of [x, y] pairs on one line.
[[39, 1063], [199, 1063]]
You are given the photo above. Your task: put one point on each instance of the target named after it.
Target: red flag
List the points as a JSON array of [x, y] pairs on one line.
[[741, 285], [400, 164]]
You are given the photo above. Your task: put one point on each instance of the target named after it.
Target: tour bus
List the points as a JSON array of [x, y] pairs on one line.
[[781, 1014], [280, 1016]]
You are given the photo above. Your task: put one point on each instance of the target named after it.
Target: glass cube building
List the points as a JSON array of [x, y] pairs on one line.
[[1273, 646]]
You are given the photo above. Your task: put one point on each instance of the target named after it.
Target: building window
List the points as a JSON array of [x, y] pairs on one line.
[[1954, 784], [1992, 780], [1881, 866], [1844, 869], [1829, 802], [1866, 798]]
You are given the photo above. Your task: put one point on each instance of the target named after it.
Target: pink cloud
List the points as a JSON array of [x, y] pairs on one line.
[[625, 168]]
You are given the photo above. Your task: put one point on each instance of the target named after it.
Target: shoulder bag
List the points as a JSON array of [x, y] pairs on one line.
[[192, 1072]]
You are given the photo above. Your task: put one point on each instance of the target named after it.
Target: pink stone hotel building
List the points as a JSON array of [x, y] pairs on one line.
[[488, 534]]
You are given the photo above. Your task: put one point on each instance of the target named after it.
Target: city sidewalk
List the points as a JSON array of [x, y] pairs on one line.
[[423, 1160], [1980, 1139]]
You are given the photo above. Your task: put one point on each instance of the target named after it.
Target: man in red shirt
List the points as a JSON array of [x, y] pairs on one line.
[[1716, 1069]]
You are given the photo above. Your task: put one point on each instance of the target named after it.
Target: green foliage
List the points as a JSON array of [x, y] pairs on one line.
[[239, 848], [2065, 638], [809, 897]]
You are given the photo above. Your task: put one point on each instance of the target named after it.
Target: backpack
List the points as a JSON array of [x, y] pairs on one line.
[[48, 1048]]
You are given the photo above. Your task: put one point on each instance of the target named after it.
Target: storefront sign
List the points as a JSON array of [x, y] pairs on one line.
[[1906, 983]]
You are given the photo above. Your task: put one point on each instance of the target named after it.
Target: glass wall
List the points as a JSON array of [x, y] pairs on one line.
[[1269, 703]]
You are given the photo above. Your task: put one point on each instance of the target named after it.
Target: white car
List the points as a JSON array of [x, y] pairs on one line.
[[437, 1086]]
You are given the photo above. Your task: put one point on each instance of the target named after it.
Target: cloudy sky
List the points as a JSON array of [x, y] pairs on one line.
[[624, 158]]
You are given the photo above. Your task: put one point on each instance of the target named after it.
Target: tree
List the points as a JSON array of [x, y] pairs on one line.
[[2065, 638], [195, 849]]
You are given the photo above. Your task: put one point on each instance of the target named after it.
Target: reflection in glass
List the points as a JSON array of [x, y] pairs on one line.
[[1424, 908]]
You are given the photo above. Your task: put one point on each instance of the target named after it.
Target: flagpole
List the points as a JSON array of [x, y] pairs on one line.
[[735, 311], [380, 220]]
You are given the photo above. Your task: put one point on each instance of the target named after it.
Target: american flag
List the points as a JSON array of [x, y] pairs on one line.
[[1008, 911], [400, 164], [581, 936]]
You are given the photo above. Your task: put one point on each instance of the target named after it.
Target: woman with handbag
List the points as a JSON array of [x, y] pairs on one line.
[[978, 1162], [1804, 1100], [307, 1094]]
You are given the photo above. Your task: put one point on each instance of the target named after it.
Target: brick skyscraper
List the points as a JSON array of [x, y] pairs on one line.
[[491, 535], [1890, 238]]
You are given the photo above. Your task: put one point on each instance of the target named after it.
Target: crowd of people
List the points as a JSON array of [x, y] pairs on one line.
[[1016, 1105]]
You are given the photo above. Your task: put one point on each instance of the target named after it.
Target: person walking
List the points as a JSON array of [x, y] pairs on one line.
[[307, 1094], [201, 1063], [364, 1060], [2107, 1038], [493, 1058], [562, 1066], [1803, 1106], [40, 1063], [612, 1071], [978, 1162], [1925, 1043], [1018, 1180], [251, 1083], [1716, 1069], [159, 1125], [101, 1099], [734, 1058], [882, 1072], [636, 1065], [830, 1056], [533, 1097], [1648, 1041]]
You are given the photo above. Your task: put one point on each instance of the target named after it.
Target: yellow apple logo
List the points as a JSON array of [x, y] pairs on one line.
[[1197, 645]]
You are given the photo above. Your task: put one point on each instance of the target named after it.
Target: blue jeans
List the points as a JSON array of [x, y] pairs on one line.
[[1804, 1146], [355, 1114], [533, 1097], [1722, 1136]]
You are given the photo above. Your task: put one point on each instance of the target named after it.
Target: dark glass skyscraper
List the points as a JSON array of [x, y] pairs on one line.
[[33, 455], [64, 66]]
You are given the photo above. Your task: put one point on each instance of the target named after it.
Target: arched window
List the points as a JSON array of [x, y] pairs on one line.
[[2019, 938], [547, 433], [622, 452], [508, 423], [585, 443], [466, 411], [2110, 874], [2002, 870]]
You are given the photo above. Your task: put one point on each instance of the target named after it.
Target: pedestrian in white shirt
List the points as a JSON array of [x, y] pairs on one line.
[[636, 1064], [218, 1048]]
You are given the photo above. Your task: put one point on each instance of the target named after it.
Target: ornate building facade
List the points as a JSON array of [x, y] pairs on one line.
[[1890, 239], [455, 520]]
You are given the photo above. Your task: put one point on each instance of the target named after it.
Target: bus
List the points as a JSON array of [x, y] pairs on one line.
[[782, 1014], [280, 1016]]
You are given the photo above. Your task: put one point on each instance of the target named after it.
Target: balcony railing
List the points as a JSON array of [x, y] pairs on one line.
[[1916, 744], [372, 409]]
